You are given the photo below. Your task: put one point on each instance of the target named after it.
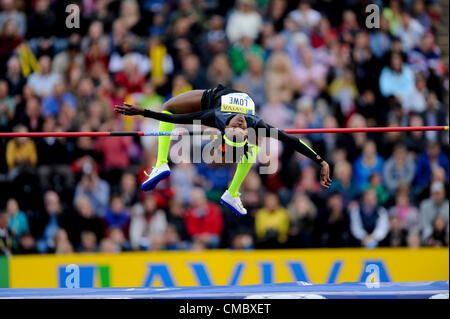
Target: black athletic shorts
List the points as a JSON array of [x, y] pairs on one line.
[[211, 97]]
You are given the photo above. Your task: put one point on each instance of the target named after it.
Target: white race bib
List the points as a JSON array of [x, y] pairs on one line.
[[237, 103]]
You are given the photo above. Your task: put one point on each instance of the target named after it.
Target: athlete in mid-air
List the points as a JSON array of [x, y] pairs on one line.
[[232, 112]]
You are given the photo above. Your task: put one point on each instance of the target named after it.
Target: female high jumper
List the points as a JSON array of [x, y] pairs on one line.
[[232, 112]]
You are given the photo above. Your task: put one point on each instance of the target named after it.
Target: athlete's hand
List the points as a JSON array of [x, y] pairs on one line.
[[325, 179], [128, 109]]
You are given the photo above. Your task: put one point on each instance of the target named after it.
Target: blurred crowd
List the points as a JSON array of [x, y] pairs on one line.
[[306, 64]]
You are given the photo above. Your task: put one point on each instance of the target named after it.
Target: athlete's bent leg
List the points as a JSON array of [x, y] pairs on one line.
[[187, 102], [231, 197]]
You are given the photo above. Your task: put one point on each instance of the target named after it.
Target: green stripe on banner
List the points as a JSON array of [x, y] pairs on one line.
[[103, 272], [4, 273]]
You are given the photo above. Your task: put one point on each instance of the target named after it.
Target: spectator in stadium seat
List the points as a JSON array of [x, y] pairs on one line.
[[187, 9], [367, 107], [183, 178], [10, 40], [243, 242], [94, 58], [366, 164], [7, 106], [369, 222], [107, 246], [308, 182], [349, 27], [407, 214], [27, 244], [397, 236], [180, 85], [438, 174], [15, 79], [305, 17], [410, 31], [396, 79], [393, 13], [125, 52], [219, 71], [344, 92], [62, 244], [375, 183], [43, 82], [21, 151], [302, 219], [11, 13], [54, 158], [399, 168], [439, 237], [343, 182], [172, 239], [310, 76], [413, 239], [380, 39], [156, 242], [239, 53], [6, 241], [117, 215], [85, 95], [194, 72], [353, 143], [85, 220], [275, 106], [433, 156], [115, 153], [415, 141], [426, 56], [52, 219], [271, 223], [84, 152], [118, 239], [420, 14], [436, 205], [415, 102], [17, 221], [146, 219], [204, 219], [130, 15], [213, 178], [70, 56], [365, 69], [244, 21], [42, 21], [128, 189], [333, 224], [129, 75], [252, 80], [52, 103], [88, 242], [322, 33], [434, 115], [94, 187], [176, 216], [277, 12], [278, 77], [97, 114]]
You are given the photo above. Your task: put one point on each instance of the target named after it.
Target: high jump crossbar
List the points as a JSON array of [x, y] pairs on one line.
[[180, 133]]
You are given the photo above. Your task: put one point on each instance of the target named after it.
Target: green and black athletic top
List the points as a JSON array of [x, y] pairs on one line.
[[220, 105]]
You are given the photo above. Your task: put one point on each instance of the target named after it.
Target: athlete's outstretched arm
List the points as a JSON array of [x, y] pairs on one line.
[[205, 116], [298, 145]]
